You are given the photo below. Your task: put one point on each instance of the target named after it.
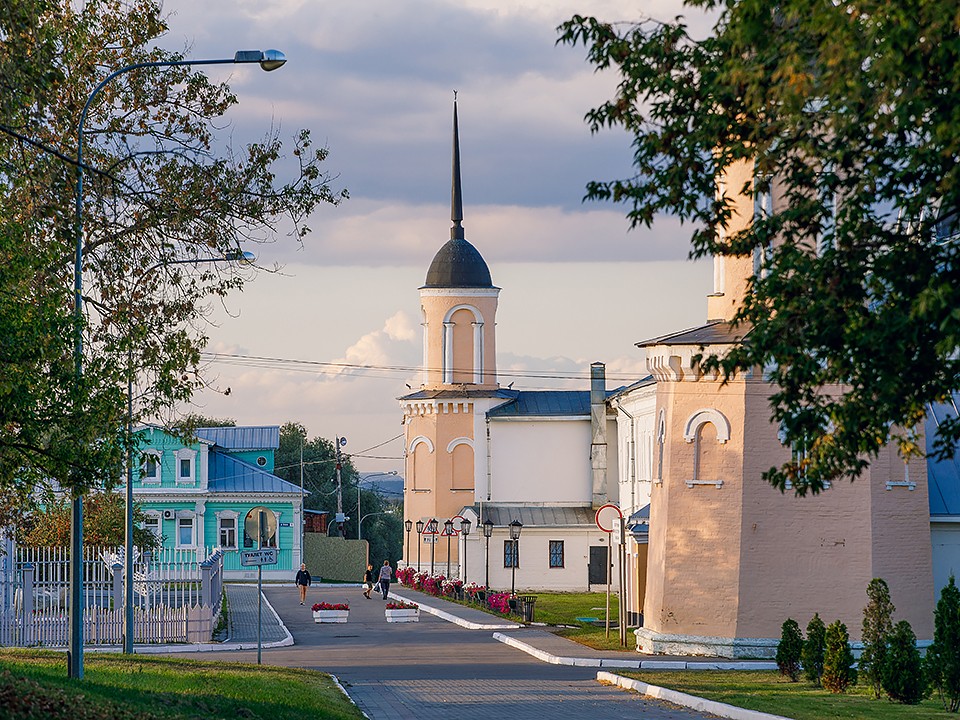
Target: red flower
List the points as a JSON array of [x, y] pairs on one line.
[[330, 606]]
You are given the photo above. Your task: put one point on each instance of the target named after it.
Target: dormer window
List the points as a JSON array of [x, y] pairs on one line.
[[150, 468], [186, 466]]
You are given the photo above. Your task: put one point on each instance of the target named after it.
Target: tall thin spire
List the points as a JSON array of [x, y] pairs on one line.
[[456, 198]]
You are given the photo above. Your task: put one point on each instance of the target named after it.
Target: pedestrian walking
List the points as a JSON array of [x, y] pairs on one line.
[[303, 582], [368, 581], [385, 573]]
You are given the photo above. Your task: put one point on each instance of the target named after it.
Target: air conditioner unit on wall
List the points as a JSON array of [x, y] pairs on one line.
[[168, 514]]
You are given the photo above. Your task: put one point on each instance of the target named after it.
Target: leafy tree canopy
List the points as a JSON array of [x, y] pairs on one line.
[[849, 112], [104, 523], [166, 200]]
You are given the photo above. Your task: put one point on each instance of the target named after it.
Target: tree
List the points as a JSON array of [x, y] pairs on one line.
[[847, 112], [876, 630], [838, 670], [813, 649], [943, 656], [790, 649], [161, 188], [104, 523], [902, 673]]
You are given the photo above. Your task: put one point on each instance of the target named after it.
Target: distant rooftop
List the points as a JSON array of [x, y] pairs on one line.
[[265, 437], [715, 332], [547, 403]]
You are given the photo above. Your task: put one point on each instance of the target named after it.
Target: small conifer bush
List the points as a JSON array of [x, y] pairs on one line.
[[813, 648], [789, 649], [943, 656], [876, 630], [902, 671], [838, 670]]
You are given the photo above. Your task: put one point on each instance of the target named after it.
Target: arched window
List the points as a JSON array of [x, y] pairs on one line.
[[463, 345], [420, 450], [708, 430], [661, 439], [461, 452]]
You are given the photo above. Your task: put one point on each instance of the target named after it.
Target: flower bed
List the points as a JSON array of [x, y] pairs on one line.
[[330, 606], [399, 612], [402, 605], [324, 612]]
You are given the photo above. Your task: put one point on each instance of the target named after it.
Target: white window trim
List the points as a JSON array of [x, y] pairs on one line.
[[158, 458], [229, 515], [185, 515], [186, 454]]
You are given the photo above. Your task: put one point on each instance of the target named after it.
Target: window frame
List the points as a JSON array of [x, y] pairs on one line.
[[180, 522], [151, 456], [514, 553], [552, 547]]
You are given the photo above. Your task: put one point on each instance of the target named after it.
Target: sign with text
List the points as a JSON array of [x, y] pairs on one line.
[[266, 556]]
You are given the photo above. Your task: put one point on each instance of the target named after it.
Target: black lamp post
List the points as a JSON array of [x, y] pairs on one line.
[[419, 541], [487, 533], [432, 532], [448, 531], [408, 525], [515, 527], [465, 531]]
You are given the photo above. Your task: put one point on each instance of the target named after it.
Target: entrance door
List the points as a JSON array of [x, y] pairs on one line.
[[597, 569]]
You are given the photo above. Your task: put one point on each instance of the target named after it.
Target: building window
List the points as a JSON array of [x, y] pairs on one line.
[[185, 532], [228, 532], [556, 553], [511, 553], [150, 469], [151, 523], [186, 462]]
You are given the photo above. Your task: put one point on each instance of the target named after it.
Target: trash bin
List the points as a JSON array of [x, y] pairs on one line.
[[526, 607]]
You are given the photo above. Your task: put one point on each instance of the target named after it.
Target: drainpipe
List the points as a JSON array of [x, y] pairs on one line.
[[633, 457], [489, 453], [598, 432]]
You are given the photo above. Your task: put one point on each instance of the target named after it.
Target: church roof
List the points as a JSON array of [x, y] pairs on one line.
[[547, 403], [229, 475], [715, 332], [458, 264]]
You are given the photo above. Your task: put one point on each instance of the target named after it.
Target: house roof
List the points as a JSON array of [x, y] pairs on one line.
[[943, 476], [537, 516], [715, 332], [265, 437], [461, 392], [229, 475], [547, 403]]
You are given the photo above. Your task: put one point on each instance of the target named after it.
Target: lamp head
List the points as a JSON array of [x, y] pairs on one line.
[[487, 528], [448, 527], [465, 527], [515, 527], [268, 59], [408, 524], [419, 527], [241, 257]]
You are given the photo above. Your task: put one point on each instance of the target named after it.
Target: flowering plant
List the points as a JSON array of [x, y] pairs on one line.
[[432, 585], [472, 589], [406, 575], [450, 587], [499, 602], [330, 606], [401, 605], [419, 579]]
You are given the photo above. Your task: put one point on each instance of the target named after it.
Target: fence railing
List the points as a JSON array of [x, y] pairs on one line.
[[176, 594]]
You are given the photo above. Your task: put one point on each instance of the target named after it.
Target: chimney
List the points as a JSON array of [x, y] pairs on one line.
[[598, 432]]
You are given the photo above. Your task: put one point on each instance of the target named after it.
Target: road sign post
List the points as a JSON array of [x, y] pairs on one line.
[[621, 565]]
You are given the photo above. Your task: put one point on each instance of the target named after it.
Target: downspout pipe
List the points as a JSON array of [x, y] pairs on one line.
[[633, 456]]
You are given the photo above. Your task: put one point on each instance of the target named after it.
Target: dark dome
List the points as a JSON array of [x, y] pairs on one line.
[[458, 264]]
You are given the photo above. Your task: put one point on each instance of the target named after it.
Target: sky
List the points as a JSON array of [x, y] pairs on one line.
[[374, 82]]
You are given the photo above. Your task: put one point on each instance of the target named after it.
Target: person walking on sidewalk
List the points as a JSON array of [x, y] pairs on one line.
[[303, 582], [368, 581], [385, 573]]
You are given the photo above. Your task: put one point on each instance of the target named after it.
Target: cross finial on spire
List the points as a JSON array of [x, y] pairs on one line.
[[456, 199]]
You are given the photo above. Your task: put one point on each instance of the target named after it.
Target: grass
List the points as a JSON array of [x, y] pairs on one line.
[[768, 691], [565, 608], [34, 685]]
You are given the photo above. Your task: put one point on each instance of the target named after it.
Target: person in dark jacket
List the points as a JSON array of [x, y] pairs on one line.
[[368, 580], [303, 582]]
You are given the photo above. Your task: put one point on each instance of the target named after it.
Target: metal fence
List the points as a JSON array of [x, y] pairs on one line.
[[176, 594]]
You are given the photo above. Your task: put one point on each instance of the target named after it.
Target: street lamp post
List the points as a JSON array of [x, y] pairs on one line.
[[465, 531], [419, 541], [268, 60], [448, 531], [515, 527], [246, 257], [408, 526], [487, 533], [432, 532]]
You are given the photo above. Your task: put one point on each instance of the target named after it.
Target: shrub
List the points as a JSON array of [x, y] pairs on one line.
[[943, 656], [789, 649], [813, 648], [902, 671], [838, 670], [876, 630]]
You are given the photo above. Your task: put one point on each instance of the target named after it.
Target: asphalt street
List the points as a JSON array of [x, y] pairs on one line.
[[398, 671]]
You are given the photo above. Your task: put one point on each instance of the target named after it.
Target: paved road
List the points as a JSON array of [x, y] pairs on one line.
[[420, 670]]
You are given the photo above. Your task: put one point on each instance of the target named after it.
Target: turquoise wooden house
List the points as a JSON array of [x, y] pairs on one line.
[[207, 494]]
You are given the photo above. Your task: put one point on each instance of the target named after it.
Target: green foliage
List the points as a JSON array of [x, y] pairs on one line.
[[789, 650], [813, 649], [902, 671], [104, 523], [827, 102], [943, 656], [838, 670], [165, 200], [876, 630]]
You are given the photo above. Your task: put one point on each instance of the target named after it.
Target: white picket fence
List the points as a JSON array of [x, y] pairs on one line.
[[176, 596]]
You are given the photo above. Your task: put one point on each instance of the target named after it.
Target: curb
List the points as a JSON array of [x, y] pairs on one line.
[[631, 664], [691, 701], [444, 615]]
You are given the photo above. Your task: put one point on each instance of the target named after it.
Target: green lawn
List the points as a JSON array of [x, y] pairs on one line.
[[768, 691], [565, 608], [34, 686]]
